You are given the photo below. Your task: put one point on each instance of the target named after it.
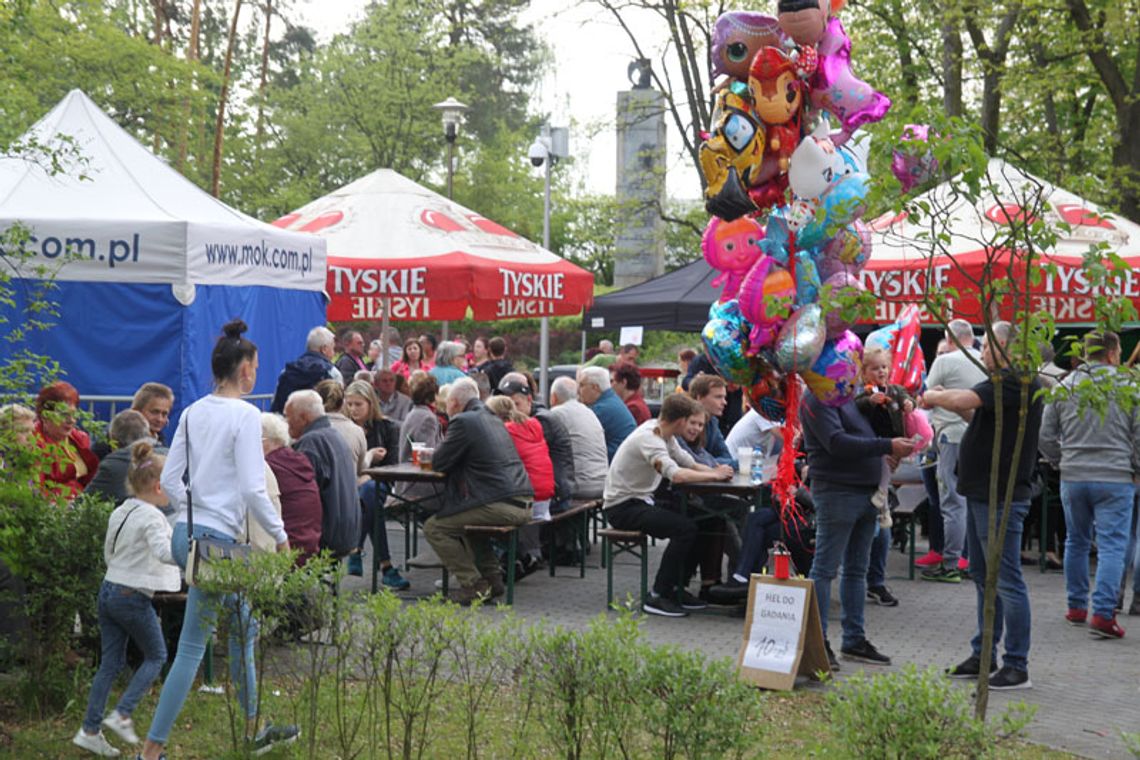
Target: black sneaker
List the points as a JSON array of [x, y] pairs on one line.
[[663, 606], [690, 602], [865, 651], [1008, 679], [942, 575], [831, 657], [969, 668], [882, 596], [272, 736]]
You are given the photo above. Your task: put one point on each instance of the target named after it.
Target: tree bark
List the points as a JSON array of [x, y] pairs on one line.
[[192, 57], [951, 65], [993, 58], [264, 76], [220, 123]]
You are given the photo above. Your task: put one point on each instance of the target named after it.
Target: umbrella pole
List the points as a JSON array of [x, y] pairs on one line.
[[384, 358], [444, 330]]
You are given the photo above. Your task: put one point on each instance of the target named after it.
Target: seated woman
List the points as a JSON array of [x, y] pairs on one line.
[[65, 447], [296, 485], [383, 439], [450, 361], [420, 426]]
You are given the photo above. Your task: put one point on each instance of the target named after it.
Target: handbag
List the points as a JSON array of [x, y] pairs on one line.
[[205, 553]]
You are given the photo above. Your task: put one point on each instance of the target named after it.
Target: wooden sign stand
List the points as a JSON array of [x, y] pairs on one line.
[[783, 633]]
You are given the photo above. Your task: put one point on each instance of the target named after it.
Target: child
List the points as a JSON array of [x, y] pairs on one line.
[[139, 562], [890, 410]]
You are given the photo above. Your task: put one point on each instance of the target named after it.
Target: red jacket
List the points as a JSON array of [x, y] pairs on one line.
[[638, 408], [62, 478], [535, 457], [300, 499]]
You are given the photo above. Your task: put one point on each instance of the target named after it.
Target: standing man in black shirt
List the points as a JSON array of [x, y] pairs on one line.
[[978, 405]]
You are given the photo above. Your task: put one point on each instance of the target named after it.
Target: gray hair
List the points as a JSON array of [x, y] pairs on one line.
[[962, 330], [607, 346], [599, 376], [319, 337], [1003, 332], [308, 402], [462, 391], [446, 353], [274, 428], [129, 426], [564, 389]]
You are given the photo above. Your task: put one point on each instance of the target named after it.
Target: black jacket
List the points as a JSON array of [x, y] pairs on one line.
[[495, 369], [302, 374], [336, 480], [561, 454], [481, 462]]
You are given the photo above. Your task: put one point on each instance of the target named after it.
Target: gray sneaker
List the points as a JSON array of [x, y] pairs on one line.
[[272, 736]]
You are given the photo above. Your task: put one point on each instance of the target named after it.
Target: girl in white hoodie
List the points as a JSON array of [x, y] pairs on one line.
[[139, 562]]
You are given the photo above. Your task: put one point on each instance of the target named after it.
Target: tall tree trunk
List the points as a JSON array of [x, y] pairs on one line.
[[220, 123], [993, 58], [951, 64], [192, 57], [264, 76]]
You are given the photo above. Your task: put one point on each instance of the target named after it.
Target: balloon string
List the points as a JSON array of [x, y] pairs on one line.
[[786, 483]]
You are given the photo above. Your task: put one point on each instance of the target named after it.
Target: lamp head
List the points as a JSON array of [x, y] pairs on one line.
[[451, 113]]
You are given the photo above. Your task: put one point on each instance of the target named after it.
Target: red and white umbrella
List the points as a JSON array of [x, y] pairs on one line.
[[901, 268], [392, 241]]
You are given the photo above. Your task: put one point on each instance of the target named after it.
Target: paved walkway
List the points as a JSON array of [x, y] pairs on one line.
[[1086, 689]]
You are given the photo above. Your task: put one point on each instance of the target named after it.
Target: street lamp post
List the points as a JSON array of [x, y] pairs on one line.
[[451, 113], [547, 148]]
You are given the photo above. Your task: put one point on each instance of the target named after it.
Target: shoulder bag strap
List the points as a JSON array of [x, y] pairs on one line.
[[189, 495], [115, 540]]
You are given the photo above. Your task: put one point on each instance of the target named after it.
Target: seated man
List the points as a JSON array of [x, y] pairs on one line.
[[127, 428], [649, 454], [486, 485], [595, 392], [587, 438]]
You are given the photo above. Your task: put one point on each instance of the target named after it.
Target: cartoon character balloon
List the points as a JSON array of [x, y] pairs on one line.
[[732, 248], [835, 89], [724, 336], [834, 377], [915, 164], [777, 96], [731, 159], [805, 20], [766, 301], [737, 37], [847, 252]]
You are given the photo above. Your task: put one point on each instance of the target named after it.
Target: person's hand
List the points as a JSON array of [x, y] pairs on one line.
[[901, 447], [908, 406], [283, 546], [878, 398], [893, 462], [377, 454], [724, 471]]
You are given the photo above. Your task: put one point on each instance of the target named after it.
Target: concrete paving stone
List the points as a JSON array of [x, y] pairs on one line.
[[1085, 689]]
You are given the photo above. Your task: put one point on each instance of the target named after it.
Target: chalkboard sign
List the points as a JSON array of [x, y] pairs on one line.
[[783, 635]]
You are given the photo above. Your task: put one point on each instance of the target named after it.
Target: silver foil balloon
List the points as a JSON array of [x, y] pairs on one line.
[[801, 339]]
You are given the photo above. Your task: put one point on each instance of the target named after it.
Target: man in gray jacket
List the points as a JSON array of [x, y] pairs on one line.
[[1098, 457], [587, 438], [486, 485]]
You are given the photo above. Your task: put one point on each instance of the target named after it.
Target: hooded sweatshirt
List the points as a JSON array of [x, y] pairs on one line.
[[531, 445]]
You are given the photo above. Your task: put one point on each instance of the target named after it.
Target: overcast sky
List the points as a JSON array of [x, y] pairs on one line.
[[591, 56]]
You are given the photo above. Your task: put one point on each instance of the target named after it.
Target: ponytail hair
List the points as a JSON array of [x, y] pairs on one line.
[[231, 350], [145, 469]]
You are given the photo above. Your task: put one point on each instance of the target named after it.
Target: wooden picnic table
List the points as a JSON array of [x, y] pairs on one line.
[[405, 472]]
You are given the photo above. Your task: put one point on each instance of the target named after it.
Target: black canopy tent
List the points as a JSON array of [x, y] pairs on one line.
[[678, 300]]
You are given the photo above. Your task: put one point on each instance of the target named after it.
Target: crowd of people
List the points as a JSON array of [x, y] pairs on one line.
[[297, 477]]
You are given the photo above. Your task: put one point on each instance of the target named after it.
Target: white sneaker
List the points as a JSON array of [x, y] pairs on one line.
[[122, 726], [96, 743]]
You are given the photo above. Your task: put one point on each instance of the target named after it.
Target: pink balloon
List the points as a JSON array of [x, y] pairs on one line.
[[913, 166], [847, 252], [836, 324], [834, 88], [732, 248], [765, 299]]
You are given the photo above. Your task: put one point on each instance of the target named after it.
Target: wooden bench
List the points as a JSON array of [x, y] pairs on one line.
[[579, 510], [632, 542], [909, 496]]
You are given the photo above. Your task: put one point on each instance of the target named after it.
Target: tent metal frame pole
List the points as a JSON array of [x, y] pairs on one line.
[[544, 338], [385, 359]]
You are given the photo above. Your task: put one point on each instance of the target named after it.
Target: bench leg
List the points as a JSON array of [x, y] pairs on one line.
[[444, 581], [607, 560], [910, 540], [551, 536], [583, 536], [512, 556], [644, 572]]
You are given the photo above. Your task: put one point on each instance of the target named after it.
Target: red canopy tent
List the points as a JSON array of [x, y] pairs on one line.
[[901, 268], [392, 241]]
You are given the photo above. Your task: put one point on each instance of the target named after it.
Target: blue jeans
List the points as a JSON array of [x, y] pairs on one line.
[[197, 628], [761, 530], [124, 614], [1108, 506], [373, 496], [951, 503], [877, 567], [1011, 611], [844, 528]]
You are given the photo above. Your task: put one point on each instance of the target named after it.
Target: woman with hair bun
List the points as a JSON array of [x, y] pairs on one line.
[[139, 562], [217, 446]]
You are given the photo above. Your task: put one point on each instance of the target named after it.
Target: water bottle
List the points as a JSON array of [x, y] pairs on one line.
[[757, 475]]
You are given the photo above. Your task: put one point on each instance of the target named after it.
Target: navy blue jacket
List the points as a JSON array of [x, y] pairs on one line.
[[302, 374], [715, 444], [842, 450]]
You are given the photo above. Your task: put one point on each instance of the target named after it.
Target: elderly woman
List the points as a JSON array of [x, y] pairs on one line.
[[296, 487], [450, 359], [66, 447], [383, 439]]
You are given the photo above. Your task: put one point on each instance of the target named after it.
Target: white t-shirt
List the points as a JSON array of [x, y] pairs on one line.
[[227, 467], [643, 458], [750, 431], [958, 371]]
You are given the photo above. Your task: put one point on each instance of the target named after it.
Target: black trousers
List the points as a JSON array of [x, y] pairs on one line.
[[659, 523]]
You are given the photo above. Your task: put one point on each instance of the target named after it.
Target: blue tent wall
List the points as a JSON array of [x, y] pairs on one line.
[[109, 338]]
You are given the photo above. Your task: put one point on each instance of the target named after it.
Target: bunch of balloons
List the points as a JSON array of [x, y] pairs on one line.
[[786, 190]]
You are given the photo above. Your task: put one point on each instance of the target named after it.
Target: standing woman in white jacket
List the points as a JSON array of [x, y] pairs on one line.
[[139, 562], [218, 446]]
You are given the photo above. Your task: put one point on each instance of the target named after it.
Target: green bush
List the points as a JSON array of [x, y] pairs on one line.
[[916, 714]]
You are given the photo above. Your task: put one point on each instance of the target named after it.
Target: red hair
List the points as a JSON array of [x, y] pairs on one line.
[[55, 393]]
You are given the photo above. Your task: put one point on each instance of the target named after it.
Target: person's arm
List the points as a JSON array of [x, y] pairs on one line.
[[826, 428], [249, 460], [960, 401], [175, 466], [454, 447], [718, 447], [705, 475], [157, 534], [1049, 442]]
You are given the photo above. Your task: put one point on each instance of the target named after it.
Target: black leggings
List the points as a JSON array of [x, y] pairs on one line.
[[659, 523]]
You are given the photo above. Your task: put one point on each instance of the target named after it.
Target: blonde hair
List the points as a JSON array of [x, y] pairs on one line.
[[145, 469], [876, 352], [504, 408]]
